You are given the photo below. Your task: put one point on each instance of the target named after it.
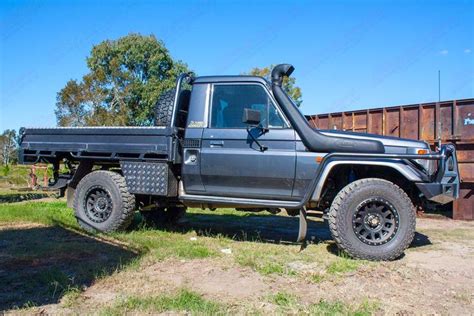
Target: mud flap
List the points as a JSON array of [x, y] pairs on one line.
[[303, 226]]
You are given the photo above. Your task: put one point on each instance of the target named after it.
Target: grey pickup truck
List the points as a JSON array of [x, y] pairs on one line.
[[240, 142]]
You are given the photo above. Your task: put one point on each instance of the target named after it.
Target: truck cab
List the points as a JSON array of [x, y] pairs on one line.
[[229, 162], [240, 141]]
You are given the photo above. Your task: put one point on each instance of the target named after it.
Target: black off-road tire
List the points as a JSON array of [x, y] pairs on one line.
[[163, 216], [343, 212], [119, 206], [164, 108]]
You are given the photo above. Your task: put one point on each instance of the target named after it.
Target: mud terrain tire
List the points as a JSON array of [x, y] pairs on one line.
[[103, 203], [357, 209], [164, 108]]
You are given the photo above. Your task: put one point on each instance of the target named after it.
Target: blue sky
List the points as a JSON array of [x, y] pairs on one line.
[[347, 54]]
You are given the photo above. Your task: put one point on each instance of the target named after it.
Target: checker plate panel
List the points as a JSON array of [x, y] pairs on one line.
[[146, 177]]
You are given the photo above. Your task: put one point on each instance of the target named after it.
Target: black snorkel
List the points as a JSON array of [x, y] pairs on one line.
[[312, 138]]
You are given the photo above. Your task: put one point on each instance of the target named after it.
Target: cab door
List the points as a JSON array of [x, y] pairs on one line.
[[232, 163]]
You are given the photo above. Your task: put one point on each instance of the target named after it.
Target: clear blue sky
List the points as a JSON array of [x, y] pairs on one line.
[[347, 54]]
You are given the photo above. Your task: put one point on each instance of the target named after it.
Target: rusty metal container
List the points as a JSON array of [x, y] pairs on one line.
[[445, 122]]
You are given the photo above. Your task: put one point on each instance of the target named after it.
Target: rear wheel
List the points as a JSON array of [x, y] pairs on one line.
[[372, 219], [103, 203]]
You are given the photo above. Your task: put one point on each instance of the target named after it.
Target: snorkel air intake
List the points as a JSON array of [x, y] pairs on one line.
[[280, 71], [312, 138]]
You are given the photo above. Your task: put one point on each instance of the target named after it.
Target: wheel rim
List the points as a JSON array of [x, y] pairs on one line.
[[375, 221], [98, 204]]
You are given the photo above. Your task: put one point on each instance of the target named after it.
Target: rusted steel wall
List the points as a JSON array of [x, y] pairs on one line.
[[446, 121]]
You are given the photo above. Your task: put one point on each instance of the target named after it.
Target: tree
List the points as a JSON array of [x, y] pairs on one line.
[[8, 146], [288, 83], [126, 77]]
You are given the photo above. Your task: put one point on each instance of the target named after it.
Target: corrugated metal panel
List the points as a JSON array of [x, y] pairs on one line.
[[446, 121]]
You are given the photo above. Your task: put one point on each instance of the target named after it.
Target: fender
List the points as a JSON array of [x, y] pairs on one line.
[[407, 171]]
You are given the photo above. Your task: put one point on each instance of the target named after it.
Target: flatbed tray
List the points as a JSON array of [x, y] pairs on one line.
[[102, 143]]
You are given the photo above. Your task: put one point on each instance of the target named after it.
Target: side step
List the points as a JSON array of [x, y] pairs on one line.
[[232, 201]]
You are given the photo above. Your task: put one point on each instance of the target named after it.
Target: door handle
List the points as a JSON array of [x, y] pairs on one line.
[[217, 143]]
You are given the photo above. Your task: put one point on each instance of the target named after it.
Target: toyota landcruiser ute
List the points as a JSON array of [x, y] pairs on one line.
[[241, 142]]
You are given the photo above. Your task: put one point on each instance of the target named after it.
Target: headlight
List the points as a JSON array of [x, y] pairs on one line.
[[429, 166]]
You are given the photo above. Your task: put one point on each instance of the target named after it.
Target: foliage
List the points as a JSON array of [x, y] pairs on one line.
[[8, 146], [288, 83], [126, 77]]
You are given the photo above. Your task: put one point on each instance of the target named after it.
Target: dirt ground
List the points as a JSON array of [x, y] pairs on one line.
[[436, 275]]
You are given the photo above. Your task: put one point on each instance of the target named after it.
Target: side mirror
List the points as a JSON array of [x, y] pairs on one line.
[[251, 117]]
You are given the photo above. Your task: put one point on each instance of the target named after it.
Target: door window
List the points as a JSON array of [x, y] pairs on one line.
[[229, 102]]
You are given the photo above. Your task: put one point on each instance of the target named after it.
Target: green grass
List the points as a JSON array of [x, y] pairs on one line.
[[265, 258], [69, 259], [164, 245], [47, 213], [289, 304], [71, 296], [339, 308], [283, 299], [345, 264], [183, 301]]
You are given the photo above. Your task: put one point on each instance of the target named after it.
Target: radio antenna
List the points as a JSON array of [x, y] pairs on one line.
[[439, 85]]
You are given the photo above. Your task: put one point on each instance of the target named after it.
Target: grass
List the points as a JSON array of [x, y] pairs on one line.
[[265, 258], [464, 297], [288, 304], [458, 234], [71, 296], [339, 308], [183, 301], [283, 299], [344, 265], [47, 213], [68, 260]]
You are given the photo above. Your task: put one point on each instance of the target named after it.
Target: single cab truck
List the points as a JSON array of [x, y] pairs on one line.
[[240, 141]]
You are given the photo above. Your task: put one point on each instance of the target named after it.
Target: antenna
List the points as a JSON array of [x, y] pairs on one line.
[[439, 85], [439, 100]]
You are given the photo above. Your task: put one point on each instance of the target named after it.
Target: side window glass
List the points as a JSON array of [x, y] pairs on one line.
[[274, 118], [229, 102]]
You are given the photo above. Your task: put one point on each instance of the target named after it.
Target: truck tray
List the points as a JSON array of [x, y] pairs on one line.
[[100, 143]]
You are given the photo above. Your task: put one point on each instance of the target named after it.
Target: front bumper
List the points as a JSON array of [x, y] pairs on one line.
[[444, 187]]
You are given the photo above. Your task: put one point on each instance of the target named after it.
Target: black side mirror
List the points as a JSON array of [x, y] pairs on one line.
[[251, 117]]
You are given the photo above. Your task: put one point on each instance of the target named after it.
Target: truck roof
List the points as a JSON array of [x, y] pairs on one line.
[[220, 79]]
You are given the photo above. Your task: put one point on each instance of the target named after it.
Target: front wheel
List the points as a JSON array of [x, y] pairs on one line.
[[372, 219]]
